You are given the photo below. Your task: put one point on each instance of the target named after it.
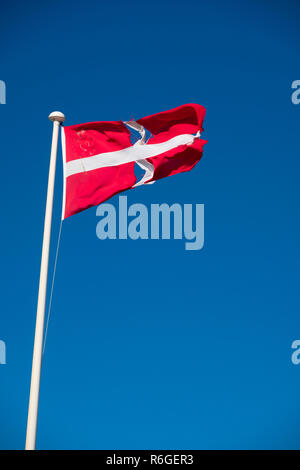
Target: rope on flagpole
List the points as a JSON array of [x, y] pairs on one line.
[[52, 286]]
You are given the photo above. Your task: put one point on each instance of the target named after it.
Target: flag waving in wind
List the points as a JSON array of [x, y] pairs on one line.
[[99, 157]]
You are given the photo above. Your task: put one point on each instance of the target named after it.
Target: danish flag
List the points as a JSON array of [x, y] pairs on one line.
[[99, 157]]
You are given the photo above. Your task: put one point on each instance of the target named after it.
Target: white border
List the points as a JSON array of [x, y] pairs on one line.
[[63, 144]]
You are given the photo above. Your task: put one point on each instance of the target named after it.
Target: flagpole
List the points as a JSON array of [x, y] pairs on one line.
[[57, 119]]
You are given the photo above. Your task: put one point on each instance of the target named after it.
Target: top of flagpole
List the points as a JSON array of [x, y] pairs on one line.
[[57, 116]]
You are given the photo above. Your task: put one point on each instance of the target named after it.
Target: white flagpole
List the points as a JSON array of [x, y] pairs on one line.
[[57, 119]]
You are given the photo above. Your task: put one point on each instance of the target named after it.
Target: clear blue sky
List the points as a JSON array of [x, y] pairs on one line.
[[204, 362]]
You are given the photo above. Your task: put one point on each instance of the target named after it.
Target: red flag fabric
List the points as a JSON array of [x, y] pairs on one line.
[[99, 157]]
